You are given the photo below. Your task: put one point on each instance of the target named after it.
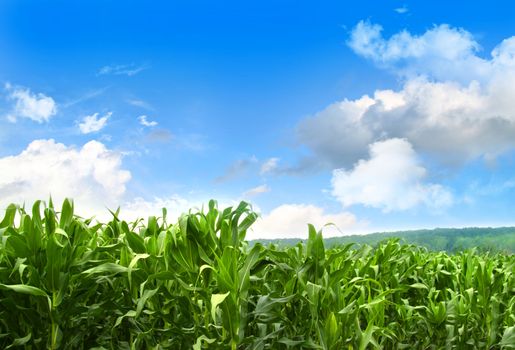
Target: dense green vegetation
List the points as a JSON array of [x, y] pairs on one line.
[[452, 240], [70, 283]]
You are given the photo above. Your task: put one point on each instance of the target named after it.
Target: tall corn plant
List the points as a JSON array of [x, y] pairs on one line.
[[70, 283]]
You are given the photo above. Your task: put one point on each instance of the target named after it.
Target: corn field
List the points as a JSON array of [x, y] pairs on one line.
[[72, 283]]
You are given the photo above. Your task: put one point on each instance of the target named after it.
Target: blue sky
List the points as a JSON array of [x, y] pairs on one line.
[[374, 116]]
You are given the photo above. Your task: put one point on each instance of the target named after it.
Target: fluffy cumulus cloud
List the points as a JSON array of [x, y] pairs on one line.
[[92, 123], [92, 175], [442, 52], [455, 106], [35, 106], [337, 134], [290, 221], [391, 179]]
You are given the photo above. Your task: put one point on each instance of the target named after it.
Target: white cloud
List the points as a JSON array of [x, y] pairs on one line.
[[92, 123], [446, 120], [140, 103], [503, 55], [175, 204], [141, 208], [122, 69], [143, 121], [443, 52], [291, 221], [269, 166], [454, 105], [391, 179], [402, 10], [256, 191], [85, 97], [92, 175], [338, 133], [37, 107]]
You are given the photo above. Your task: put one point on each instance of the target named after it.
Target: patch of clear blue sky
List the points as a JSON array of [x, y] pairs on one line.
[[229, 79]]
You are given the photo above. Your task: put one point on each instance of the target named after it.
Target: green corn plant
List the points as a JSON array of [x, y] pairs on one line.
[[68, 282]]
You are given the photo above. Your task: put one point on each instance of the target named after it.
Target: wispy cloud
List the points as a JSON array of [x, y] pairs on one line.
[[87, 96], [237, 169], [143, 121], [123, 69], [37, 107], [402, 10], [159, 135], [269, 166], [92, 123], [256, 191], [192, 142], [140, 103], [308, 164]]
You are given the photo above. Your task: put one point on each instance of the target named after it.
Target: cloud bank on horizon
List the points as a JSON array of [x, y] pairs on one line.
[[382, 153]]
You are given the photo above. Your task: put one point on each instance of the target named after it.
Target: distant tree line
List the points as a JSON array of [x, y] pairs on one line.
[[500, 239]]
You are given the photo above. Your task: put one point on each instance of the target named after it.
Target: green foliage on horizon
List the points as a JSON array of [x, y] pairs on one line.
[[452, 240], [70, 283]]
